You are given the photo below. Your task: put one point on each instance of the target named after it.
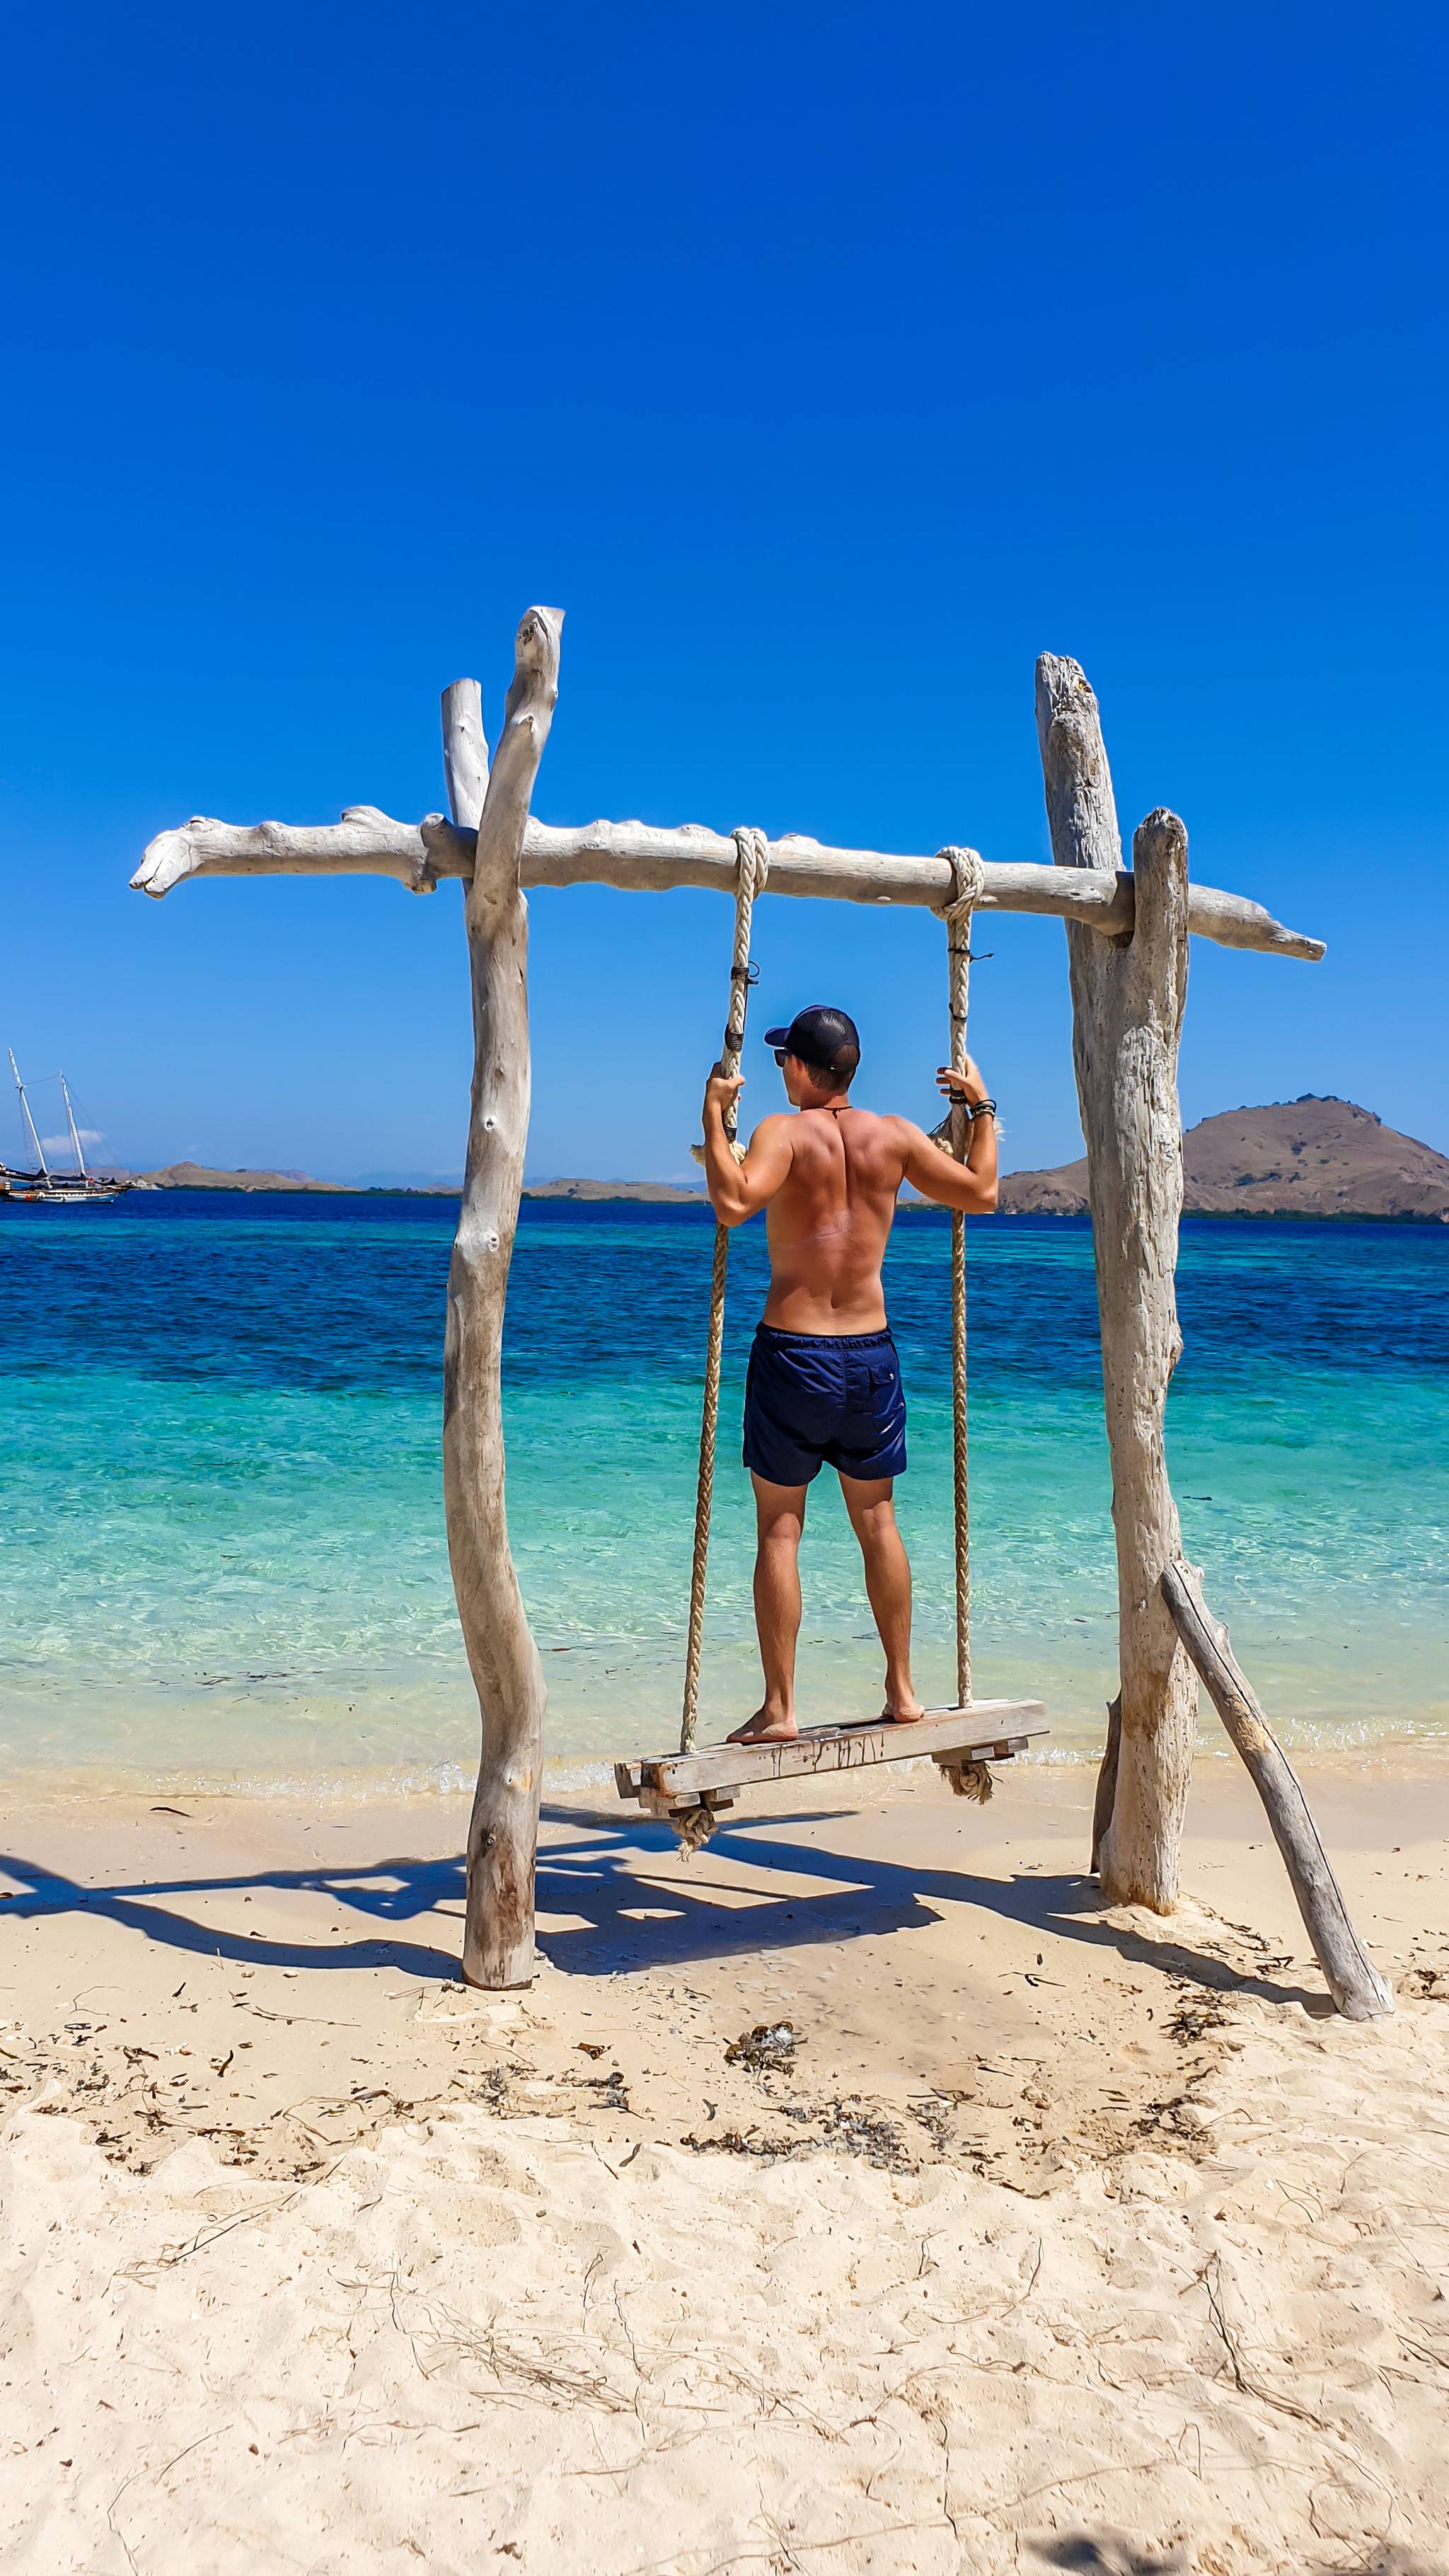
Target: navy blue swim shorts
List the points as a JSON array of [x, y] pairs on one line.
[[816, 1400]]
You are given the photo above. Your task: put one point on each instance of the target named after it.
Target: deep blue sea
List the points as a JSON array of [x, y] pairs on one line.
[[224, 1558]]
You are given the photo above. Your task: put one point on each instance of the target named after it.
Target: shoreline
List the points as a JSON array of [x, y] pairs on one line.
[[1401, 1757], [663, 1196]]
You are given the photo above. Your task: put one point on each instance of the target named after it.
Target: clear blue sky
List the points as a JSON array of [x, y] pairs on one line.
[[825, 364]]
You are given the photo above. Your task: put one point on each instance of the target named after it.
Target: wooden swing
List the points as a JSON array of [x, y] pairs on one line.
[[1127, 937], [688, 1788]]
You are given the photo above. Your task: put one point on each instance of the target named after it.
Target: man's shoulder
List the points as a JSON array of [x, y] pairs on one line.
[[777, 1126]]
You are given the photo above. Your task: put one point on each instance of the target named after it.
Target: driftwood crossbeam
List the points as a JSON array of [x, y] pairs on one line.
[[1127, 934], [649, 858]]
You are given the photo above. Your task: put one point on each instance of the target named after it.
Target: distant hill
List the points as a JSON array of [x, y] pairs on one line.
[[657, 1191], [200, 1176], [1309, 1157]]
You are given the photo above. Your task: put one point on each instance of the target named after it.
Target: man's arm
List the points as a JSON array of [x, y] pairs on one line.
[[938, 1176], [736, 1190]]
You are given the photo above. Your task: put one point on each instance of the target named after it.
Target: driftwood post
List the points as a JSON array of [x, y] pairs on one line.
[[1127, 1005], [498, 1929], [1358, 1990]]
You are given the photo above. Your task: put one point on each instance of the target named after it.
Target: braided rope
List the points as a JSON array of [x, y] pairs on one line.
[[968, 877], [753, 869]]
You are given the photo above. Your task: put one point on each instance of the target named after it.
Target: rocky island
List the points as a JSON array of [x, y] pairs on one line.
[[1314, 1157]]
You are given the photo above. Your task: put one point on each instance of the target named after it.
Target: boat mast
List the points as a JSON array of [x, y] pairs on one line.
[[80, 1159], [25, 1113]]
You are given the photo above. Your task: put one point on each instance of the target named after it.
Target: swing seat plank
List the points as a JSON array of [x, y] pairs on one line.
[[989, 1730]]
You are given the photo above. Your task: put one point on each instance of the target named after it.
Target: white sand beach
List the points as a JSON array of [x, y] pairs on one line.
[[1036, 2236]]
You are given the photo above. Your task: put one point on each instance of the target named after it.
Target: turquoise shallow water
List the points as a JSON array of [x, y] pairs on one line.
[[224, 1556]]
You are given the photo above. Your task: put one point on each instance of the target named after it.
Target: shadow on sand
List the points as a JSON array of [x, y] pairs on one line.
[[622, 1900]]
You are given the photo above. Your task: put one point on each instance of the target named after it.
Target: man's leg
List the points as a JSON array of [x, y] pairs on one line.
[[888, 1586], [780, 1514]]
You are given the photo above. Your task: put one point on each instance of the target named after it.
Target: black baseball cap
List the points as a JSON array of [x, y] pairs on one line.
[[823, 1037]]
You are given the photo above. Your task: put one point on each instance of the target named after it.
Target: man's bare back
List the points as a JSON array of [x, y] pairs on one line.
[[830, 1217], [824, 1385]]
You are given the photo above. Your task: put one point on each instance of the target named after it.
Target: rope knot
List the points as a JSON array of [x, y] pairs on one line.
[[968, 881], [754, 859]]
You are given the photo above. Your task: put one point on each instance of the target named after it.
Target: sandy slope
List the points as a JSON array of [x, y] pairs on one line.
[[1061, 2239]]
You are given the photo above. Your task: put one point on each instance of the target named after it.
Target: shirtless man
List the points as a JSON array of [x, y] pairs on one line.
[[824, 1384]]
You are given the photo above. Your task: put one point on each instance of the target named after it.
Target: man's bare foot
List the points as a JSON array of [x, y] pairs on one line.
[[762, 1728], [904, 1711]]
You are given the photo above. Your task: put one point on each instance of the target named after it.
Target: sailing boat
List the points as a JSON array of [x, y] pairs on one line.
[[79, 1188]]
